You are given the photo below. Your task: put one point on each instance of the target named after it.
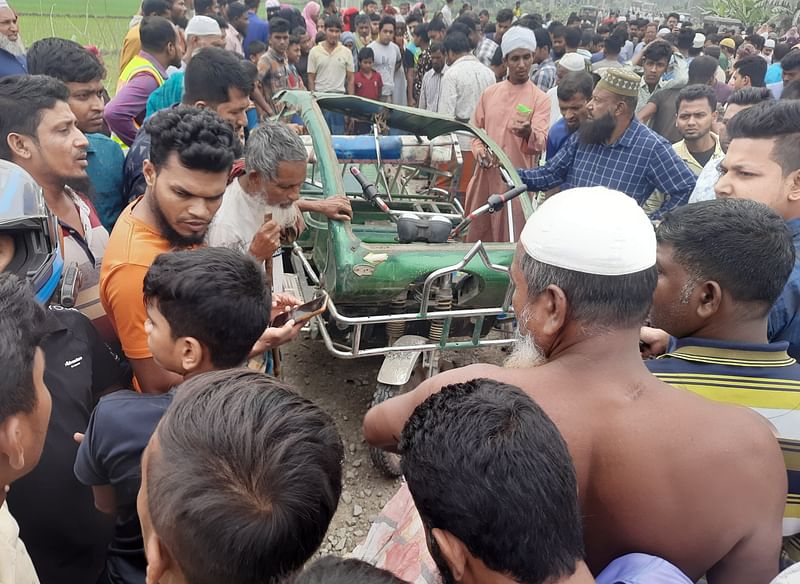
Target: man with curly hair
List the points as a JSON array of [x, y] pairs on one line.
[[191, 155]]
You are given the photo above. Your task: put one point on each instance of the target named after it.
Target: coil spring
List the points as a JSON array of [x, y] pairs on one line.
[[395, 330], [437, 326]]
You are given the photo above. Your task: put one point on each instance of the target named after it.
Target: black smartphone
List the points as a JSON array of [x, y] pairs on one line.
[[302, 313]]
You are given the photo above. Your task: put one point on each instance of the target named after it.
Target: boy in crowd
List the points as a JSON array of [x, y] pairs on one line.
[[205, 310], [256, 51], [239, 481], [293, 55], [386, 56], [368, 83]]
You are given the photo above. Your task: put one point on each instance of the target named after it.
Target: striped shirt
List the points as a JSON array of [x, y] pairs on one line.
[[431, 90], [762, 377]]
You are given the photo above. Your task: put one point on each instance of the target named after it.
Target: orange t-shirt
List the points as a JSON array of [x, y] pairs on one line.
[[131, 249]]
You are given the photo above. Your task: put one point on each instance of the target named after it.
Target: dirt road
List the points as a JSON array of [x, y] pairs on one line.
[[344, 389]]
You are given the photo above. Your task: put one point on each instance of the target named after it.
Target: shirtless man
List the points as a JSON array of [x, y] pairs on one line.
[[660, 470]]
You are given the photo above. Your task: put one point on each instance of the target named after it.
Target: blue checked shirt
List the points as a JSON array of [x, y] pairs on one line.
[[545, 75], [636, 164]]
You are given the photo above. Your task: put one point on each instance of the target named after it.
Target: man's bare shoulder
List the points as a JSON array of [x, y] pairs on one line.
[[470, 372], [740, 427]]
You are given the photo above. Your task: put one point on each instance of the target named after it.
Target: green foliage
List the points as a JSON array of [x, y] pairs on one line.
[[748, 11], [788, 9]]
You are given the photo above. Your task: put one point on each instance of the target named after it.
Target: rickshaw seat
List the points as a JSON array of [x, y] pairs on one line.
[[363, 147]]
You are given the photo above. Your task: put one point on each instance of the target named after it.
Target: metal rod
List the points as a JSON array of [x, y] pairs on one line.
[[356, 339], [339, 351], [476, 249]]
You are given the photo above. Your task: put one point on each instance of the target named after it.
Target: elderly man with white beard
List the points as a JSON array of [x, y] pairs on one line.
[[12, 50], [262, 207], [659, 469]]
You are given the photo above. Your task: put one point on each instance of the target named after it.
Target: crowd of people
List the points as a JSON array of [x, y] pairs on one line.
[[142, 436]]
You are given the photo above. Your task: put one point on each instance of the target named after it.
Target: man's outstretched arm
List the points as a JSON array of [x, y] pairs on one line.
[[384, 423], [554, 172]]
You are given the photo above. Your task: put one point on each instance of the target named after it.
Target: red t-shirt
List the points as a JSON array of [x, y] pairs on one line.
[[369, 87]]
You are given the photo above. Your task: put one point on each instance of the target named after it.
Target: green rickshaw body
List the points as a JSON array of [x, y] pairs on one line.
[[361, 264]]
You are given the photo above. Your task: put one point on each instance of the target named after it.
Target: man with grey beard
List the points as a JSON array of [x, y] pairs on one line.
[[659, 469], [12, 49], [262, 208]]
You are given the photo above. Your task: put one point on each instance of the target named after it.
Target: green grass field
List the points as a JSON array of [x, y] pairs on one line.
[[89, 22], [97, 8]]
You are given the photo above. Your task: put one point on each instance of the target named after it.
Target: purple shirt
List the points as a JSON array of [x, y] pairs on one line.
[[126, 111]]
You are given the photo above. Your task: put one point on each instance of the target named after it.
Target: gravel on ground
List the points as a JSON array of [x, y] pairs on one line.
[[344, 389]]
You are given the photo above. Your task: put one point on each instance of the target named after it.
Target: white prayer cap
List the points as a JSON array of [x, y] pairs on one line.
[[699, 41], [202, 26], [769, 44], [518, 37], [593, 230], [572, 62], [4, 4], [663, 32]]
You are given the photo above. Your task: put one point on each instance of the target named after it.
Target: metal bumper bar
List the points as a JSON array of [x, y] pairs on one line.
[[354, 350]]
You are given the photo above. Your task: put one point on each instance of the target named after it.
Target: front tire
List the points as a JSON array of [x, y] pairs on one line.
[[386, 462]]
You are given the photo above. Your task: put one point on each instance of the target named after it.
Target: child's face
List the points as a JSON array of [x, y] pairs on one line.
[[164, 348], [293, 53], [365, 65]]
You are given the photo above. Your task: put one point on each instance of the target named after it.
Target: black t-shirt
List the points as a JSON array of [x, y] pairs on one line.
[[64, 533], [111, 454], [702, 158], [408, 60]]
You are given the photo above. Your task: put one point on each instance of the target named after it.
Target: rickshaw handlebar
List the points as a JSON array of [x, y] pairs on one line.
[[496, 202], [370, 192], [493, 204]]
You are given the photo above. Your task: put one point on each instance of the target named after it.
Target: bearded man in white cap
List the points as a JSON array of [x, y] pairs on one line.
[[516, 115], [12, 50], [660, 470]]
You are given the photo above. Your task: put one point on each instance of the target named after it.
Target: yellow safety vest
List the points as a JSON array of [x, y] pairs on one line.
[[136, 65]]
